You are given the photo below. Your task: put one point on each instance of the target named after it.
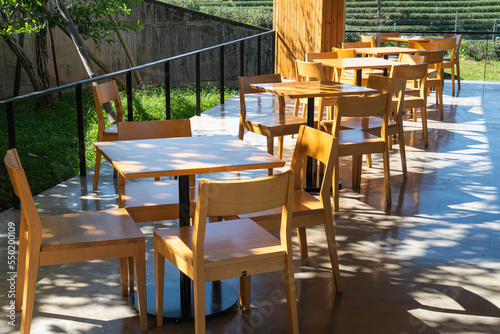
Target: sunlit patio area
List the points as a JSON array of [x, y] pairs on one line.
[[429, 263]]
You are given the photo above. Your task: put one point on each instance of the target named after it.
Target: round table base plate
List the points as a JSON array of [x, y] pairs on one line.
[[218, 298]]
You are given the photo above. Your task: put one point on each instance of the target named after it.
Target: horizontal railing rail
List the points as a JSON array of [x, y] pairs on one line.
[[10, 102]]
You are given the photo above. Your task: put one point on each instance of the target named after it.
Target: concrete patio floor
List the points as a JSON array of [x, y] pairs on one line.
[[430, 263]]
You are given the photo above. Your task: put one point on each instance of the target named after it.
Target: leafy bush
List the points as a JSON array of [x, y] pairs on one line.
[[480, 50]]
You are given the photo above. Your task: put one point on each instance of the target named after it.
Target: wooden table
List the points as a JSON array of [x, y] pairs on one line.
[[384, 51], [311, 90], [182, 157], [409, 38], [358, 64]]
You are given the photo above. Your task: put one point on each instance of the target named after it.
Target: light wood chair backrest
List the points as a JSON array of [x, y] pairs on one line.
[[434, 59], [423, 45], [356, 45], [446, 44], [345, 53], [381, 37], [244, 86], [154, 129], [232, 198], [104, 93], [411, 59], [363, 106], [321, 146], [30, 219], [393, 86], [412, 73], [308, 71], [311, 56], [458, 42], [369, 39]]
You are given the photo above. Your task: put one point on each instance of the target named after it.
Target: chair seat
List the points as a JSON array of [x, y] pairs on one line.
[[374, 126], [278, 125], [244, 238], [111, 129], [154, 200], [89, 229]]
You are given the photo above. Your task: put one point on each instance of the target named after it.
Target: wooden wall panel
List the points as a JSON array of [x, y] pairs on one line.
[[305, 26]]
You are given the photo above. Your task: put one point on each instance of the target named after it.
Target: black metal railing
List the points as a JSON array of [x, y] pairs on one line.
[[10, 103]]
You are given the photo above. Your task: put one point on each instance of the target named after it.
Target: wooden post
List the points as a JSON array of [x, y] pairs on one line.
[[305, 26]]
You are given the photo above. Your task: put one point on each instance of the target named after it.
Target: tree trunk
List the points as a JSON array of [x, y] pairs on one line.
[[35, 79], [42, 60], [82, 51], [19, 67]]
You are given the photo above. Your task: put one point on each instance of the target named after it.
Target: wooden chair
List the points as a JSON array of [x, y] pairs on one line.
[[355, 142], [415, 96], [423, 45], [104, 93], [308, 210], [271, 125], [153, 200], [434, 75], [227, 249], [369, 39], [355, 45], [456, 59], [410, 59], [311, 71], [373, 125], [382, 37], [347, 76], [83, 236], [449, 45]]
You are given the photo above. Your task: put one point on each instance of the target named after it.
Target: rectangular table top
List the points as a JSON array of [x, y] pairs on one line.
[[409, 38], [384, 50], [358, 63], [309, 89], [135, 159]]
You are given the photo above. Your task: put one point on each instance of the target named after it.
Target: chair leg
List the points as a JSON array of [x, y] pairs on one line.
[[159, 283], [402, 150], [453, 79], [414, 111], [123, 274], [302, 236], [97, 168], [30, 276], [245, 291], [332, 250], [457, 63], [439, 96], [335, 186], [140, 271], [199, 305], [369, 161], [356, 171], [281, 140], [423, 112], [131, 275], [270, 150], [387, 177], [291, 296], [21, 268]]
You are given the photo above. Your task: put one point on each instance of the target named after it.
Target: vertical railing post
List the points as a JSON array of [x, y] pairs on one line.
[[198, 85], [242, 58], [259, 58], [130, 99], [273, 51], [168, 111], [222, 73], [81, 130]]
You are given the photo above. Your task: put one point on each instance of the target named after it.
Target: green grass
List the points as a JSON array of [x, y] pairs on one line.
[[47, 139], [473, 70]]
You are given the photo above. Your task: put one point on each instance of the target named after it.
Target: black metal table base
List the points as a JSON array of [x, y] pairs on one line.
[[218, 298]]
